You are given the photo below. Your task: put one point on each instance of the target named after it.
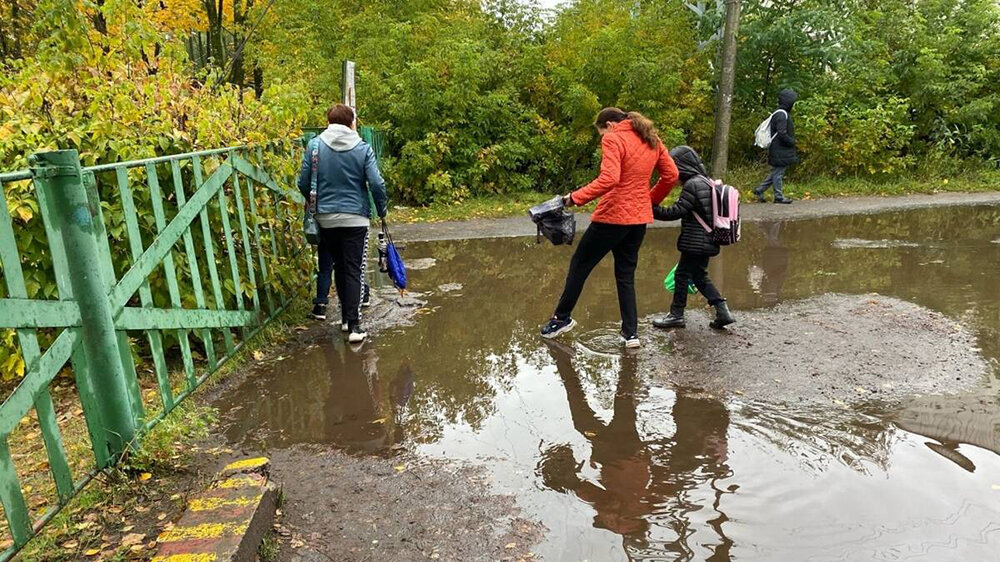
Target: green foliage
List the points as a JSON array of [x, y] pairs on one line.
[[486, 99], [104, 80], [884, 85], [480, 99]]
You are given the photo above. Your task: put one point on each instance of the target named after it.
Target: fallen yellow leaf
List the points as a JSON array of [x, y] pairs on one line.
[[92, 552], [400, 468], [145, 476], [258, 355]]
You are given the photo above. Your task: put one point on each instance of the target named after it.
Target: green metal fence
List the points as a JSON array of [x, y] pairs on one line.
[[154, 289]]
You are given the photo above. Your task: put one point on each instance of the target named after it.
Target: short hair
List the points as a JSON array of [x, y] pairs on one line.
[[340, 114]]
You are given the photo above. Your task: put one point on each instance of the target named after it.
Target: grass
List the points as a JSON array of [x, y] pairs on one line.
[[745, 178], [269, 546]]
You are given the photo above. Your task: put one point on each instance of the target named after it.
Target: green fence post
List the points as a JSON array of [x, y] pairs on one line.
[[58, 174]]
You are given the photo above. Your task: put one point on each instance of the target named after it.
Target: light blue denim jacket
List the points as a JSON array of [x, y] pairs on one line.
[[346, 172]]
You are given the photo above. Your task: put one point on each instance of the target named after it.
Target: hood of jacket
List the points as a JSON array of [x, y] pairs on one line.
[[340, 138], [688, 163], [787, 98]]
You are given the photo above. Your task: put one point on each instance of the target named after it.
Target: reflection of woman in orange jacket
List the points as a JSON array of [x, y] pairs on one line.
[[640, 478], [624, 459], [632, 151]]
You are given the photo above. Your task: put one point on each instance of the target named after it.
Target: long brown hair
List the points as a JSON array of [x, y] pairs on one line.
[[640, 124]]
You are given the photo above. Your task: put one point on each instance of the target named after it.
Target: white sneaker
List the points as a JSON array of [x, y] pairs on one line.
[[356, 336], [632, 342], [345, 328]]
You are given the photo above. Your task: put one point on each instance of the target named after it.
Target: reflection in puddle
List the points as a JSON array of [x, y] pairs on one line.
[[332, 393], [617, 464], [844, 243], [641, 483], [953, 422]]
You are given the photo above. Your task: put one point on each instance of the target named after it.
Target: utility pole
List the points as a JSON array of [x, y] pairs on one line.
[[724, 106]]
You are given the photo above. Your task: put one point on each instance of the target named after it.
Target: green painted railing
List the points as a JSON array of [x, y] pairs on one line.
[[221, 248]]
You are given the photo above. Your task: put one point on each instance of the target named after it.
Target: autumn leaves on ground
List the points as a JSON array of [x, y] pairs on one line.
[[119, 515]]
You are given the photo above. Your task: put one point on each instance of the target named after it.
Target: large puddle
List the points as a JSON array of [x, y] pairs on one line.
[[623, 466]]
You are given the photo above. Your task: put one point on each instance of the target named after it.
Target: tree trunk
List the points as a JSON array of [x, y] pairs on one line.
[[214, 38], [724, 108], [100, 24], [238, 73], [12, 49], [258, 80]]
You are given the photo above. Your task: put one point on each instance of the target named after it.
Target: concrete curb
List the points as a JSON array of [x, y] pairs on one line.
[[227, 521]]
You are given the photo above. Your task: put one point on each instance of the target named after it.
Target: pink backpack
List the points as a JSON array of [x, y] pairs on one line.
[[725, 229]]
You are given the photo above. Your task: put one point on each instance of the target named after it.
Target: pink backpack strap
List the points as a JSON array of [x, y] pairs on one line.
[[715, 207]]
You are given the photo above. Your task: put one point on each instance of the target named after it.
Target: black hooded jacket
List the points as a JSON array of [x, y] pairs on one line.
[[782, 151], [696, 197]]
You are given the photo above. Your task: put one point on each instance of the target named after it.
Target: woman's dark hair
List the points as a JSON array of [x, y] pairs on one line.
[[340, 114], [642, 126]]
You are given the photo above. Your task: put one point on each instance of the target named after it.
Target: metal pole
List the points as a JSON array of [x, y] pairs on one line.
[[724, 109], [58, 173]]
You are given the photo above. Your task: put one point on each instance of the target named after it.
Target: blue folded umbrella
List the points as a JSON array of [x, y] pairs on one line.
[[394, 262]]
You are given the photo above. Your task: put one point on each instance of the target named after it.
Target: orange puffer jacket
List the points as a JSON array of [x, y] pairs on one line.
[[623, 184]]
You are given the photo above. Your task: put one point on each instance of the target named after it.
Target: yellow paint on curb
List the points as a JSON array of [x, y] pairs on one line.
[[240, 482], [202, 557], [207, 504], [247, 464], [203, 531]]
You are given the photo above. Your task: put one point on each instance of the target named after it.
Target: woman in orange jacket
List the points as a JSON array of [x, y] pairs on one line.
[[631, 152]]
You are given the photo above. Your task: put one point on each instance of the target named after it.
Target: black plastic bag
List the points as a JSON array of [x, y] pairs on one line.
[[554, 222]]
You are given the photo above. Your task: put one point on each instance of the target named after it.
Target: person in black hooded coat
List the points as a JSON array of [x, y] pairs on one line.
[[782, 153], [695, 246]]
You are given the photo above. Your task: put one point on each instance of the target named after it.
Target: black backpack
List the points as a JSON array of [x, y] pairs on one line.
[[554, 222]]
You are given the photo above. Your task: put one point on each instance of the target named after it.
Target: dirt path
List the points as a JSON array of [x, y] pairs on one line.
[[800, 210], [832, 349], [398, 508]]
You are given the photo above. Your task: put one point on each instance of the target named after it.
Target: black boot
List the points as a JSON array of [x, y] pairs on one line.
[[673, 320], [723, 317]]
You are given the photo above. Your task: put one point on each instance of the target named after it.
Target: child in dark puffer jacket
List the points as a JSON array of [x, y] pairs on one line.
[[694, 244]]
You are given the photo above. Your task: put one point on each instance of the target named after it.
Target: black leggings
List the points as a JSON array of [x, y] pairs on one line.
[[342, 253], [623, 241], [693, 268]]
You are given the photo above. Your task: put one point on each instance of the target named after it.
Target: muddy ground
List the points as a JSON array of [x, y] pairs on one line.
[[397, 508], [833, 348]]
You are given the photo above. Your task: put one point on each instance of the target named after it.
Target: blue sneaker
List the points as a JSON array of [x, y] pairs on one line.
[[557, 327]]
